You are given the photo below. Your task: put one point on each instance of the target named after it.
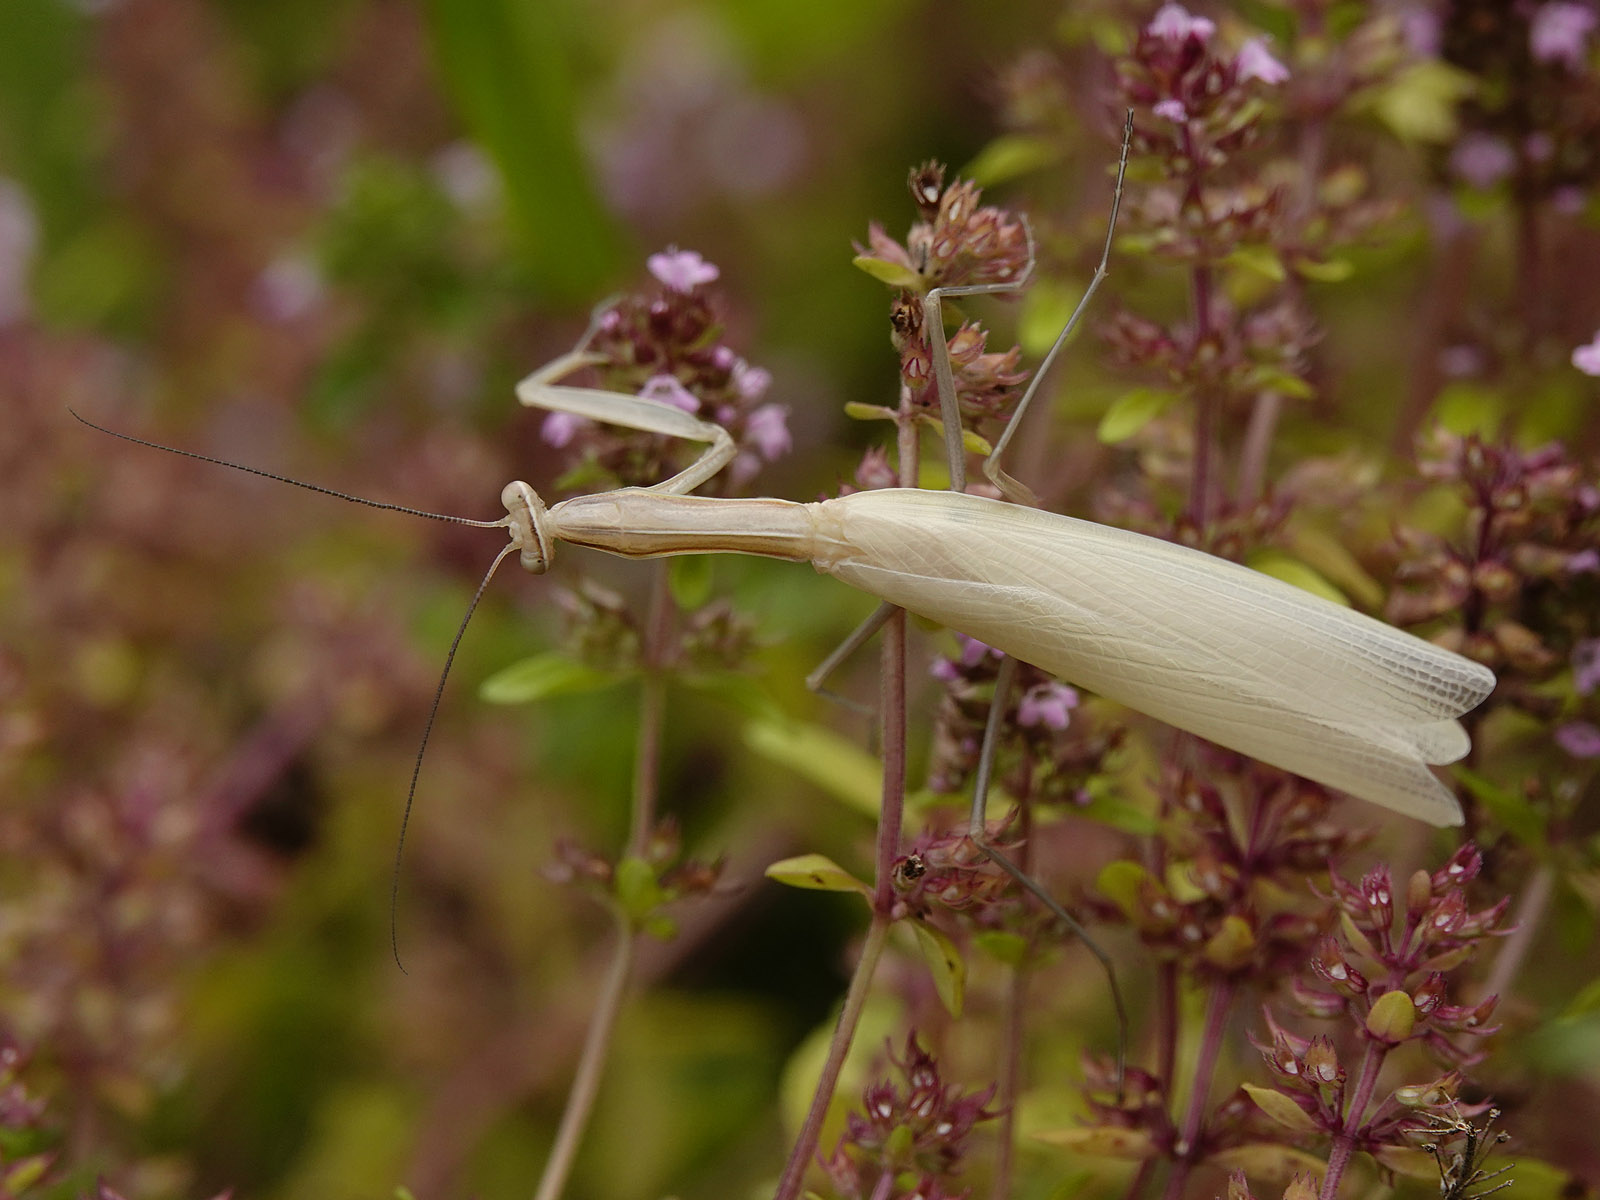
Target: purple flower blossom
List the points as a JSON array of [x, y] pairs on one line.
[[681, 270], [750, 382], [1174, 23], [1587, 357], [1255, 62], [1579, 739], [665, 389], [1419, 26], [1049, 704], [1172, 110], [559, 428], [1586, 665], [1584, 562], [945, 670], [1559, 31], [1482, 159], [973, 651], [768, 431]]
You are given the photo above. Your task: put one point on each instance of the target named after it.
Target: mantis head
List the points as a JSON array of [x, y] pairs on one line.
[[526, 522]]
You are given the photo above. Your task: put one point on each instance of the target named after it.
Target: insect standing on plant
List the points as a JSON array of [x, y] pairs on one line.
[[1208, 646]]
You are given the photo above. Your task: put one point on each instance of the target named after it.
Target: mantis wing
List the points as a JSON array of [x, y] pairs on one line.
[[1211, 647]]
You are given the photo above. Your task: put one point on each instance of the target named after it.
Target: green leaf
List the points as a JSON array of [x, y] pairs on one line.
[[1009, 156], [1419, 104], [1331, 558], [858, 411], [1131, 412], [689, 580], [975, 443], [1103, 1141], [1285, 383], [816, 872], [894, 274], [1465, 408], [1509, 808], [543, 676], [945, 963], [1262, 260], [1122, 881], [835, 764], [1291, 570], [1003, 946], [1329, 270], [1046, 309], [507, 66], [1281, 1109]]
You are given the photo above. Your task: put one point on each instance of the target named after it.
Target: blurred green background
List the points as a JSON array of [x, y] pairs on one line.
[[326, 238]]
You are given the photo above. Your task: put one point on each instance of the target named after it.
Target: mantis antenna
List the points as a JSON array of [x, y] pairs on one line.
[[450, 656]]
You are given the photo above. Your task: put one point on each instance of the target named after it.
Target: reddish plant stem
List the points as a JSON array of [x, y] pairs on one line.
[[1218, 1009], [1344, 1142], [608, 1001], [890, 818]]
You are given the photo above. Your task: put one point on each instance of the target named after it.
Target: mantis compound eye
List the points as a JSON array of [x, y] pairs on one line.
[[527, 526]]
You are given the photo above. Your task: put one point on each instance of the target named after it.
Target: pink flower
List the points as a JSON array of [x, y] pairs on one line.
[[1579, 739], [1584, 562], [1482, 159], [1174, 23], [1254, 62], [1587, 358], [768, 431], [973, 651], [750, 382], [1049, 704], [1559, 31], [1172, 110], [665, 389], [1586, 666], [681, 270], [1419, 25], [559, 428]]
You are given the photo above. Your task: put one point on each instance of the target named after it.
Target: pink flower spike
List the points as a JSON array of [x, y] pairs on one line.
[[1174, 23], [665, 389], [1587, 358], [559, 428], [1559, 31], [768, 431], [1172, 110], [1254, 62], [681, 270], [1579, 739], [1049, 704]]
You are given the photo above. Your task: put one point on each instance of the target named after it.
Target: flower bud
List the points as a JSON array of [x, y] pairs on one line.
[[1392, 1018]]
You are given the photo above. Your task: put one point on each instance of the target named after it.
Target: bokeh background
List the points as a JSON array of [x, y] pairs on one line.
[[326, 237]]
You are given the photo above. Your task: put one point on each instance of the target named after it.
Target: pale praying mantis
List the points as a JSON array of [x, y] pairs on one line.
[[1205, 645]]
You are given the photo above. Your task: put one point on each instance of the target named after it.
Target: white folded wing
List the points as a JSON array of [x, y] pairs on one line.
[[1206, 645]]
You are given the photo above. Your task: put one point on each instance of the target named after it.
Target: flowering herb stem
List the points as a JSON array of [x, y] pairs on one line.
[[1219, 1005], [608, 1001], [1344, 1142]]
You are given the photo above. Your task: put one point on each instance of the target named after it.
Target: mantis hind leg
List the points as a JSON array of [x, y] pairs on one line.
[[978, 832], [1018, 492]]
